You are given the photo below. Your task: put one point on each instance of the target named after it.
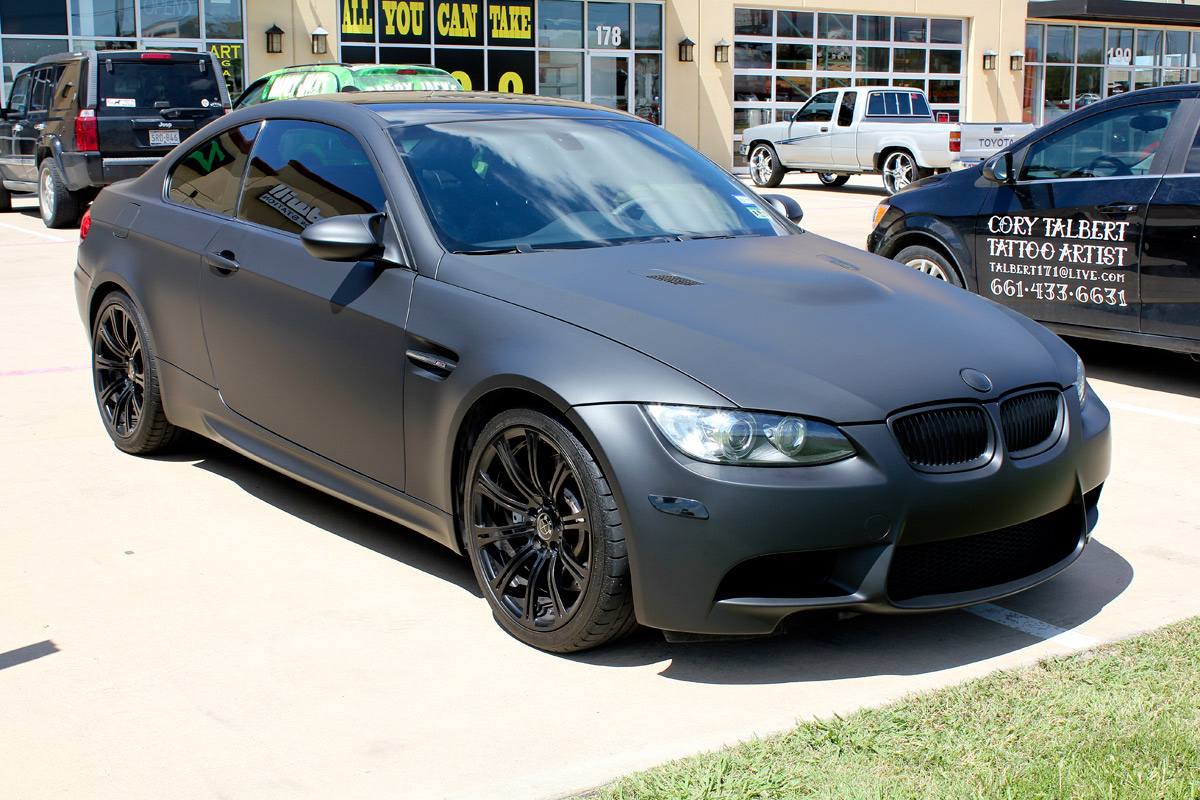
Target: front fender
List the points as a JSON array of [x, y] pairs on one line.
[[919, 228]]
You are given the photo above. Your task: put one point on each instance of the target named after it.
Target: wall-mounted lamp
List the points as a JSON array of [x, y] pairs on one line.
[[685, 50], [1016, 61], [320, 41], [721, 51], [989, 59], [274, 39]]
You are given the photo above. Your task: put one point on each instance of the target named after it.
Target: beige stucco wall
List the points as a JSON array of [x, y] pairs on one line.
[[298, 19]]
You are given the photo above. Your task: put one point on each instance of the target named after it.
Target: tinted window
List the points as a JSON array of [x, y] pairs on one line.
[[846, 110], [150, 85], [818, 109], [302, 172], [254, 94], [42, 92], [18, 98], [210, 175], [1122, 141]]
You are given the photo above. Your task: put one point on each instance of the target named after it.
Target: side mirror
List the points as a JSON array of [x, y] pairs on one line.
[[785, 205], [998, 168], [351, 238]]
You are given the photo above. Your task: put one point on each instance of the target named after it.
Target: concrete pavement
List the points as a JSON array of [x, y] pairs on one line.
[[198, 626]]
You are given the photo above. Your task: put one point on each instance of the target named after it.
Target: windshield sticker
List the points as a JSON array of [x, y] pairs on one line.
[[758, 212], [1063, 260], [119, 102], [286, 201], [744, 200]]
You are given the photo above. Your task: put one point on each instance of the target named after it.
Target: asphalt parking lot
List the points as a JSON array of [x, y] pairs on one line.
[[197, 626]]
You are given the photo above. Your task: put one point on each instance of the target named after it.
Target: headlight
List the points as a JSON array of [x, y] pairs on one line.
[[1080, 381], [730, 436], [880, 210]]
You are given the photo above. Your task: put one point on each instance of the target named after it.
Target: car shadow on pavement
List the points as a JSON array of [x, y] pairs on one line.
[[340, 518], [1143, 367], [824, 648]]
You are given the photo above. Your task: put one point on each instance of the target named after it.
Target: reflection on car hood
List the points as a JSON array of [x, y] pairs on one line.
[[791, 323]]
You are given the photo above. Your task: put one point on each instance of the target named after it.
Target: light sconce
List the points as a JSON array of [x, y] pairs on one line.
[[274, 39], [320, 42], [1016, 61], [685, 50], [989, 59], [722, 52]]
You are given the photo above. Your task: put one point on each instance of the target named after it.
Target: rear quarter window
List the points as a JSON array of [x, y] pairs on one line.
[[210, 176], [152, 85]]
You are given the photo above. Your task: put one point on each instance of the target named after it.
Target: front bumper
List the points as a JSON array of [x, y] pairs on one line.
[[869, 533]]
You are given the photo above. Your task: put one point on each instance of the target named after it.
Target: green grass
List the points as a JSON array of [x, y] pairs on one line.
[[1118, 721]]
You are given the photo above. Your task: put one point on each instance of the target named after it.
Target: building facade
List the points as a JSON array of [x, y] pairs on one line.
[[704, 69]]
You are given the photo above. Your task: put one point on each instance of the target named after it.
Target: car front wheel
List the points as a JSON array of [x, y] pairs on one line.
[[60, 207], [765, 169], [931, 262], [544, 535]]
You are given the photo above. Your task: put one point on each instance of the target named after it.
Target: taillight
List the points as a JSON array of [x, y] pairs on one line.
[[955, 142], [85, 224], [85, 130]]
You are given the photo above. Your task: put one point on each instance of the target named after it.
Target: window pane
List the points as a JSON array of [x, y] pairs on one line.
[[946, 31], [1089, 86], [752, 55], [223, 19], [608, 26], [945, 61], [1119, 141], [1120, 46], [832, 83], [872, 59], [648, 25], [908, 59], [560, 23], [1058, 92], [101, 18], [210, 176], [909, 83], [648, 87], [34, 17], [910, 29], [1033, 41], [834, 57], [177, 20], [1091, 45], [794, 56], [1031, 111], [20, 53], [1149, 48], [790, 89], [874, 28], [303, 172], [751, 87], [752, 22], [1147, 78], [1176, 54], [871, 82], [795, 24], [560, 74], [749, 117], [944, 91], [835, 26], [1060, 44]]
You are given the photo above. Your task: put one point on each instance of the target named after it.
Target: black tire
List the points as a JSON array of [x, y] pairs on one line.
[[765, 169], [900, 169], [60, 207], [544, 535], [931, 262], [5, 199], [125, 379], [832, 179]]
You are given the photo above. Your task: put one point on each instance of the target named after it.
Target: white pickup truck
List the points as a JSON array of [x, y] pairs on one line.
[[870, 130]]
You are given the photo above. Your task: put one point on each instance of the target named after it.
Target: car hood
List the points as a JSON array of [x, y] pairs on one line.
[[797, 324]]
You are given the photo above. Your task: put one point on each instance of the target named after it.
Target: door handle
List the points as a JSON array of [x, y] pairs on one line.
[[825, 130], [1120, 208], [223, 262]]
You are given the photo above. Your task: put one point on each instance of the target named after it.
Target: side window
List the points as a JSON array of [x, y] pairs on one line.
[[1122, 141], [255, 94], [43, 88], [303, 172], [819, 108], [210, 175], [18, 98], [1193, 159], [67, 87], [846, 109], [875, 107]]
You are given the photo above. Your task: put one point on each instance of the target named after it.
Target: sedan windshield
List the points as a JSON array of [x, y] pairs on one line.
[[517, 184]]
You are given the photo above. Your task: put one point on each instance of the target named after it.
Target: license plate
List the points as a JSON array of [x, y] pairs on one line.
[[170, 137]]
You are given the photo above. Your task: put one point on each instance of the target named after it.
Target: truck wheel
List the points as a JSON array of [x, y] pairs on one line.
[[899, 170], [931, 262], [765, 169], [832, 179], [60, 207]]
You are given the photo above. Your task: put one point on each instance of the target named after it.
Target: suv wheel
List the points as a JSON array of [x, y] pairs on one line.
[[61, 208]]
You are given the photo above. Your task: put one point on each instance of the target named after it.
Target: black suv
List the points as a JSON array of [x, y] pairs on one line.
[[76, 122]]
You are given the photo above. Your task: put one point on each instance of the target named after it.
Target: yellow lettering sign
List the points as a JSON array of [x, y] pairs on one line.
[[463, 78], [511, 22], [457, 19], [403, 17], [357, 17], [511, 82]]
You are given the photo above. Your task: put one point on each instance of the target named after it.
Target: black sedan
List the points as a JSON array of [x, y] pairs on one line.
[[554, 338]]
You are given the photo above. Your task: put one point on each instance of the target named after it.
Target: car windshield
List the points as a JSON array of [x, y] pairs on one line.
[[498, 185]]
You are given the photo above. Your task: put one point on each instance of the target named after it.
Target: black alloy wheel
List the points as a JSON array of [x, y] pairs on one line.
[[125, 378], [544, 535]]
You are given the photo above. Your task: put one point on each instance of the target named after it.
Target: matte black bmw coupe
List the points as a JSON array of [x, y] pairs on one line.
[[553, 337]]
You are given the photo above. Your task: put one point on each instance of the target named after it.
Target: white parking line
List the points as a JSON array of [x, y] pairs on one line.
[[1154, 412], [1034, 627], [34, 233]]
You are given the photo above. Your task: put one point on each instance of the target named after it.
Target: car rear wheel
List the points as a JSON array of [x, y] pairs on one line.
[[544, 535], [899, 170], [60, 207], [125, 378], [765, 169], [832, 179], [931, 262]]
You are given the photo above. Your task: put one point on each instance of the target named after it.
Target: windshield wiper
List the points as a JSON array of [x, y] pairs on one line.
[[516, 248]]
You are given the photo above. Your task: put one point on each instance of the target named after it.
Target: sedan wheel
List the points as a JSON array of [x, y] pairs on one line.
[[765, 169], [931, 262], [544, 536], [899, 170], [125, 377]]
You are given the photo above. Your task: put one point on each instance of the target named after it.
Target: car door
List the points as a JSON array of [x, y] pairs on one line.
[[1062, 242], [310, 350], [843, 141], [41, 97], [12, 165], [1171, 250], [808, 142]]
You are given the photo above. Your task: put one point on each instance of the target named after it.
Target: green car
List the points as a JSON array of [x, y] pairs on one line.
[[307, 79]]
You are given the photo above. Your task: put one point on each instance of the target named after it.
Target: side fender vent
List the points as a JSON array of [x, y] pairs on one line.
[[673, 279]]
